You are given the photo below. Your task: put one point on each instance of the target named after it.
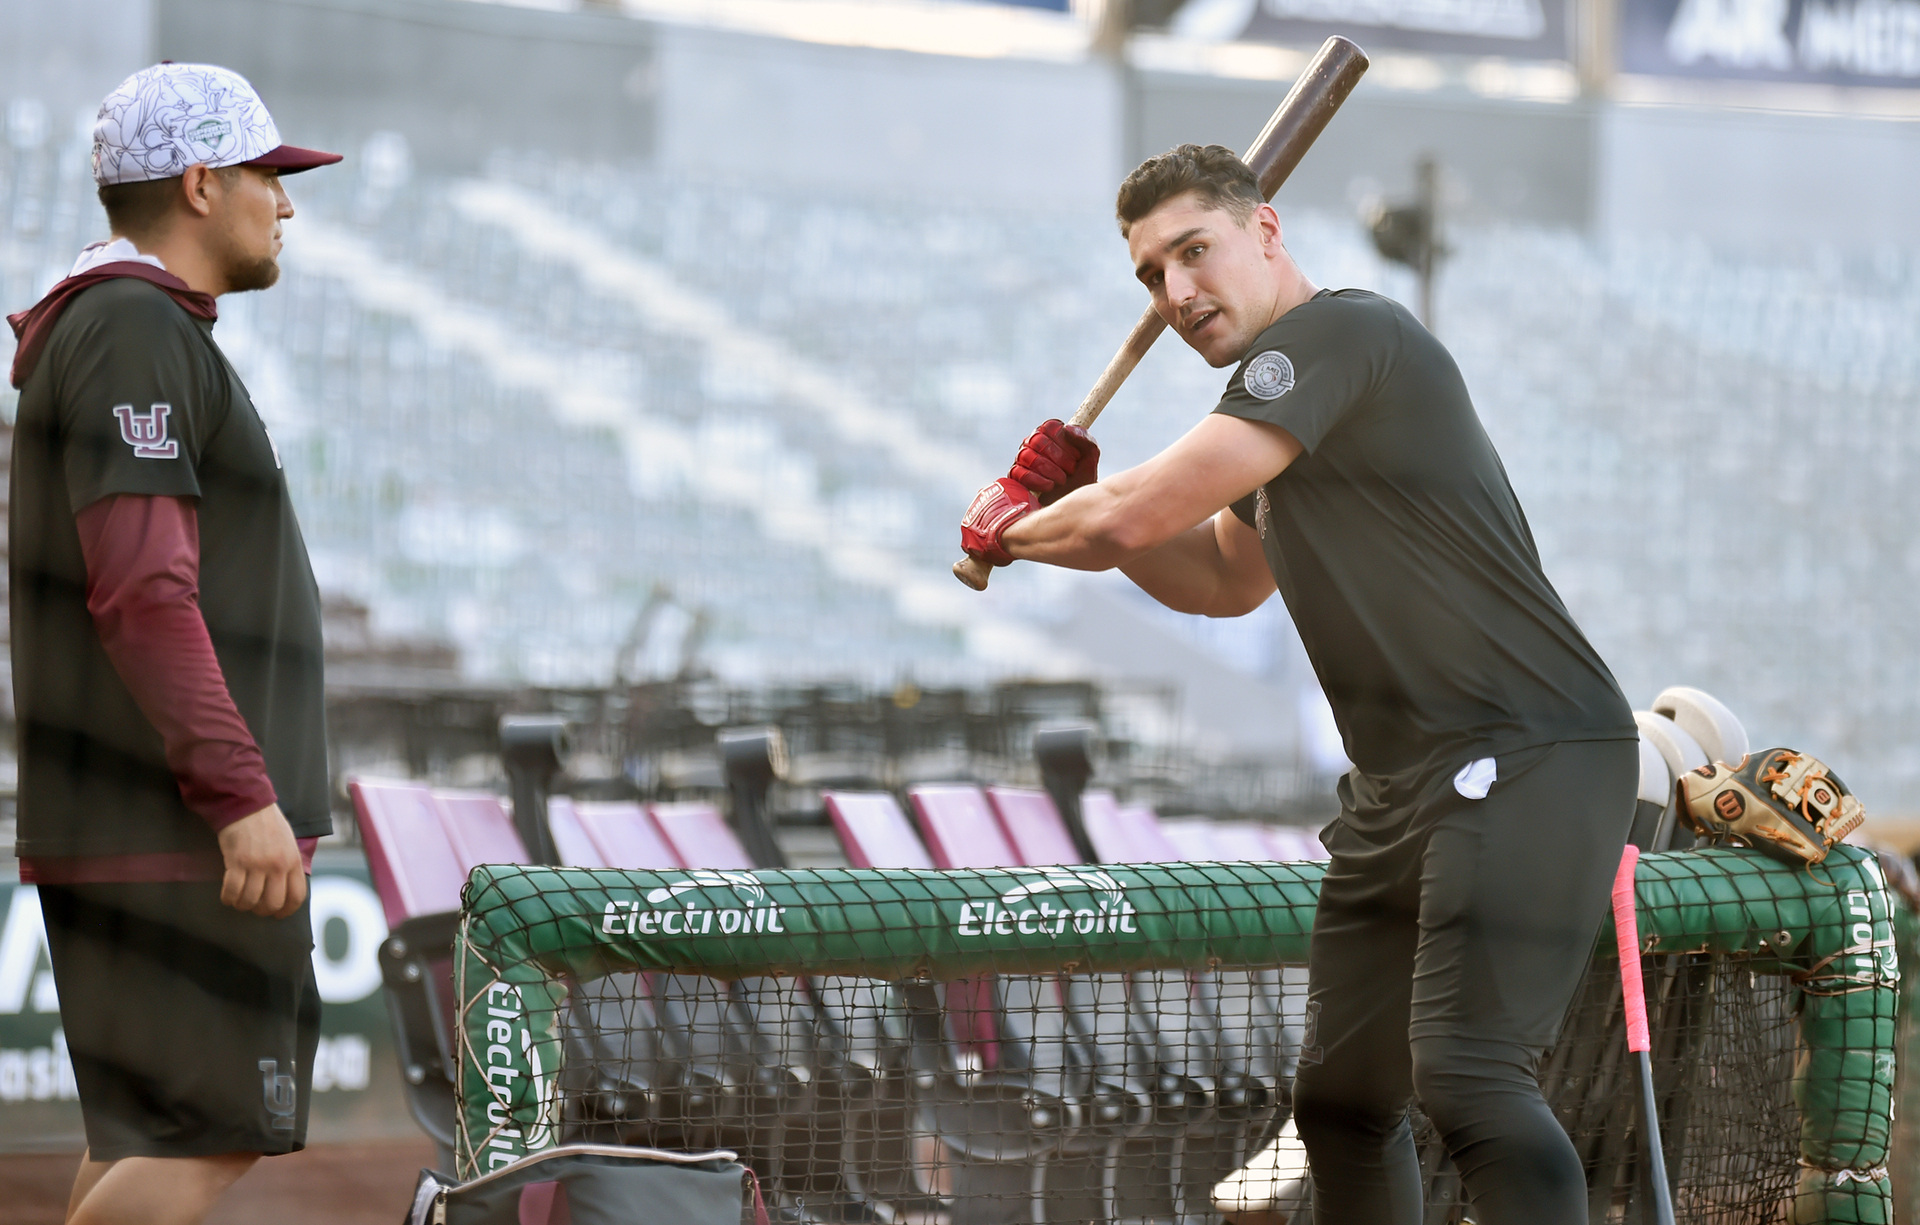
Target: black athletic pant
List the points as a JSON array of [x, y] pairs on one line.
[[1450, 937]]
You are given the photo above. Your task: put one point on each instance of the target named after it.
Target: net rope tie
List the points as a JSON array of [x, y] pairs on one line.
[[1807, 978], [1840, 1176]]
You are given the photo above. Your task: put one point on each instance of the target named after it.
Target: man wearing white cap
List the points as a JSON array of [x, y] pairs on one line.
[[167, 664]]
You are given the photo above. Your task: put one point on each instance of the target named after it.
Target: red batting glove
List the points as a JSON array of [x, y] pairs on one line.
[[1057, 459], [995, 508]]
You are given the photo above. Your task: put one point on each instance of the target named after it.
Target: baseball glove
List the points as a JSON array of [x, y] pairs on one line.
[[1776, 800]]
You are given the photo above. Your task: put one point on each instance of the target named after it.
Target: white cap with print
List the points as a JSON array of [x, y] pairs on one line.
[[166, 118]]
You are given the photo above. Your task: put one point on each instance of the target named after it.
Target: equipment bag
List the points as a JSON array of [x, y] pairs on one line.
[[594, 1184]]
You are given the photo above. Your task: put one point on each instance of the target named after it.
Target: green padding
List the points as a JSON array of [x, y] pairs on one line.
[[894, 924], [1843, 1080], [509, 1057], [1845, 1077], [1734, 901], [1906, 1110], [1823, 1201], [526, 929]]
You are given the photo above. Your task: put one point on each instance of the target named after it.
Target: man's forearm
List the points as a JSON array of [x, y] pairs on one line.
[[1109, 526], [142, 556], [1118, 520], [1086, 530]]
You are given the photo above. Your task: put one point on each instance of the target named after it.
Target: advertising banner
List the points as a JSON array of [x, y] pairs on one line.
[[358, 1093], [1522, 29], [1828, 42]]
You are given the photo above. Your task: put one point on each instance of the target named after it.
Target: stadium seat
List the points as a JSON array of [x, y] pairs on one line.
[[873, 832], [1216, 1092], [758, 1037], [480, 826], [890, 1159], [415, 869], [1290, 844], [1195, 840], [680, 1057], [960, 828], [1005, 1095], [1253, 1017], [420, 847], [621, 1082], [699, 1024], [1242, 842], [570, 838], [1032, 825], [1184, 1068], [700, 836], [1124, 833], [1119, 1045], [624, 835]]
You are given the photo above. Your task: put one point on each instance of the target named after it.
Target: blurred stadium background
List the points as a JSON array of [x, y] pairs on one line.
[[640, 359]]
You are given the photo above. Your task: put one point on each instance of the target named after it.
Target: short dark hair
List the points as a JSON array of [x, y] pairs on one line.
[[135, 210], [1214, 173]]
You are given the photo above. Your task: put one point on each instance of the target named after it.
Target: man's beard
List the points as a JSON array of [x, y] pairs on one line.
[[243, 275], [243, 270]]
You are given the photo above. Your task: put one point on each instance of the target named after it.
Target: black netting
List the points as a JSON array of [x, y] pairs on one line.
[[992, 1098], [1723, 1059], [1134, 1096]]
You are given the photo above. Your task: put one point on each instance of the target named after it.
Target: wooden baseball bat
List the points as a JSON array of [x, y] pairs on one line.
[[1626, 934], [1302, 115]]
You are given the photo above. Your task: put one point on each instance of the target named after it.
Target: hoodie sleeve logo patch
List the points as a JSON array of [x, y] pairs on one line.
[[146, 432], [1269, 376]]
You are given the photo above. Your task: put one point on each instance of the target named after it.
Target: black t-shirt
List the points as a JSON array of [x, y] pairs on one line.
[[132, 396], [1402, 552]]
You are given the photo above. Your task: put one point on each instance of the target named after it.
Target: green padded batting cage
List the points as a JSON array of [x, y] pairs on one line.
[[1117, 1043]]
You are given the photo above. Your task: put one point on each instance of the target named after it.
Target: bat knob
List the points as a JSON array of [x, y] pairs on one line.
[[973, 572]]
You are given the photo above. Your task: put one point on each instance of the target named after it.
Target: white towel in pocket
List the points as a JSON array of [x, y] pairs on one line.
[[1475, 779]]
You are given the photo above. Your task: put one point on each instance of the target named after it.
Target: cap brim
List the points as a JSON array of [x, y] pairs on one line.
[[291, 159]]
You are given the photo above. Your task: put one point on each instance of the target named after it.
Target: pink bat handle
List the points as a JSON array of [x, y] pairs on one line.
[[1626, 930]]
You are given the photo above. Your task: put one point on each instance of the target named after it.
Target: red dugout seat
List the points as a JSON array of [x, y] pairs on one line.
[[420, 846]]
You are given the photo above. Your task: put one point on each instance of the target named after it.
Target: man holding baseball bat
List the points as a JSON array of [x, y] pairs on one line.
[[1494, 759]]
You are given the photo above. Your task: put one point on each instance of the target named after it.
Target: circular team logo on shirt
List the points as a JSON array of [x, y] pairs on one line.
[[1269, 376]]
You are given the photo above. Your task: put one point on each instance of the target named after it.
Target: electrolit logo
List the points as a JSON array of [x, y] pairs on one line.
[[673, 916], [511, 1053], [1042, 907]]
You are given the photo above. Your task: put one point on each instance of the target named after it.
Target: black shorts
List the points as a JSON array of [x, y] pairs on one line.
[[1445, 916], [192, 1026]]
